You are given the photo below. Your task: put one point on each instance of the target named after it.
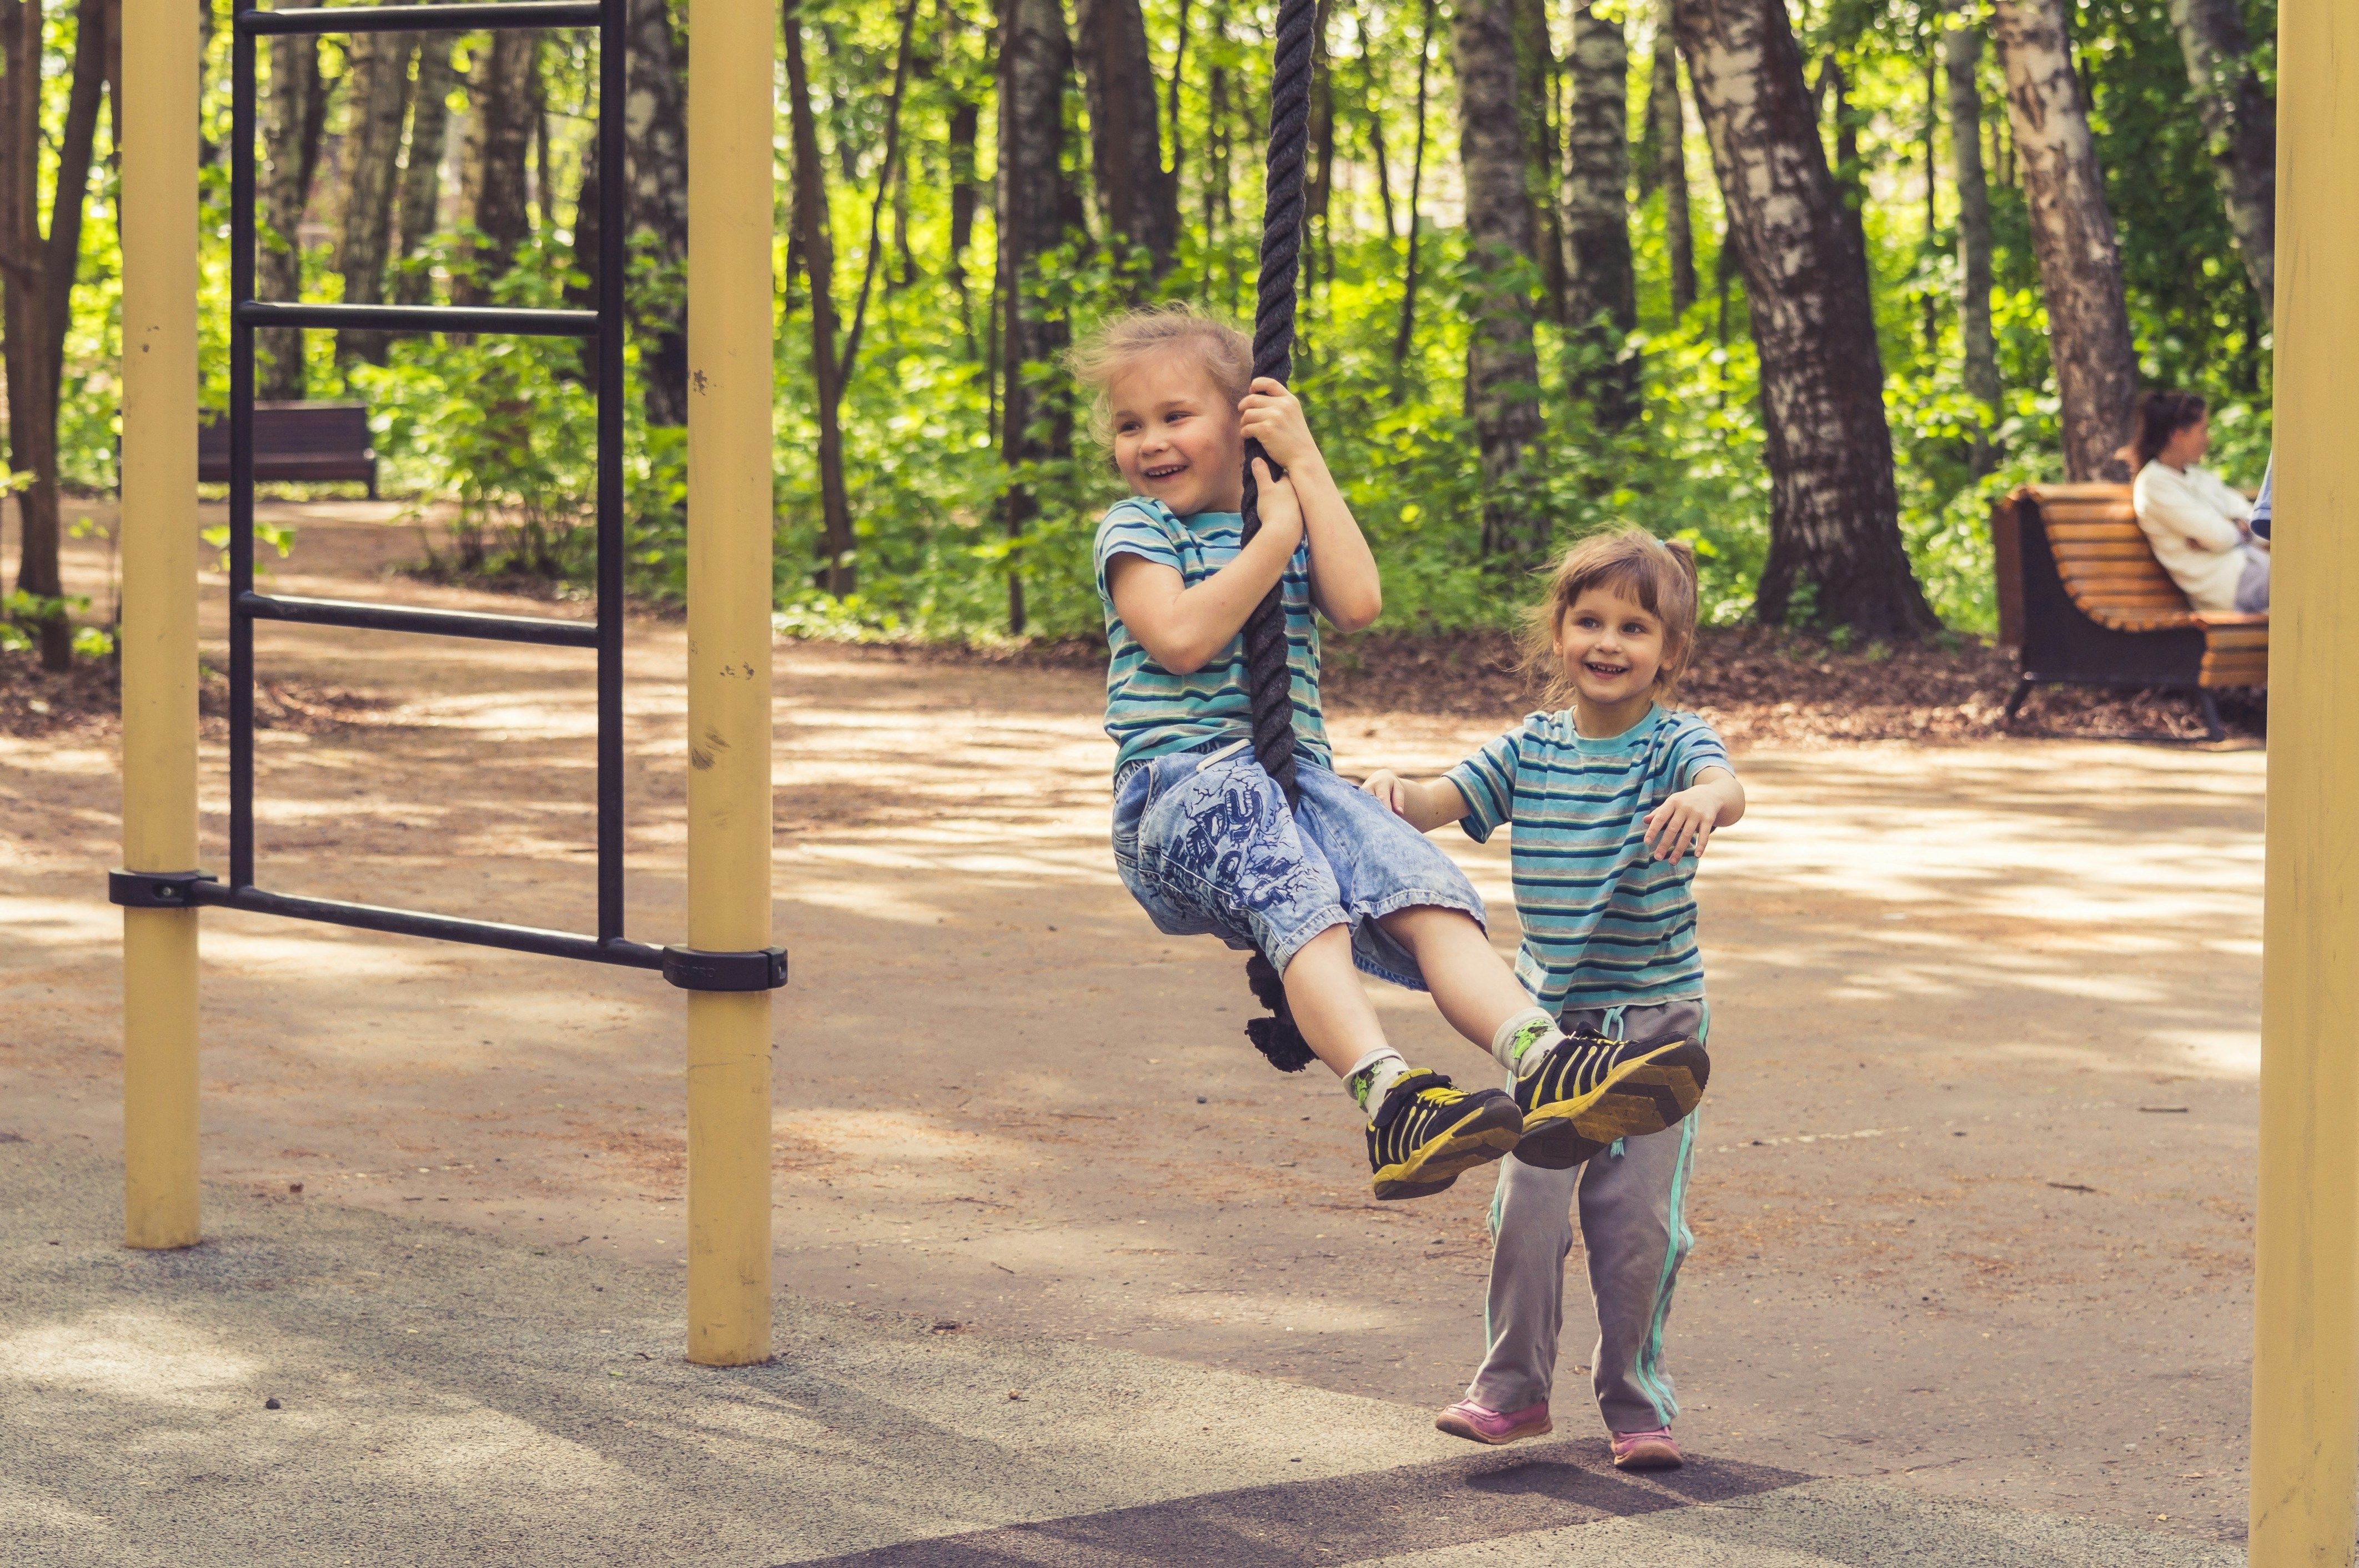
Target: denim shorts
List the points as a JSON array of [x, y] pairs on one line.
[[1206, 843]]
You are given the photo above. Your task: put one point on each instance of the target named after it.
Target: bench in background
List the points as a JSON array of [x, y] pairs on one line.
[[2083, 600], [295, 441]]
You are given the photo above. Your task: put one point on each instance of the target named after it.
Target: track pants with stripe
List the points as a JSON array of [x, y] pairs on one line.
[[1632, 1205]]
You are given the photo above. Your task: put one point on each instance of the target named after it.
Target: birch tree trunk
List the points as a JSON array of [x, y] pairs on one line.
[[1535, 89], [420, 201], [1601, 286], [293, 112], [36, 280], [498, 193], [1139, 202], [655, 144], [1834, 533], [1502, 363], [1962, 50], [1036, 62], [2241, 121], [372, 147], [2071, 235], [1666, 133]]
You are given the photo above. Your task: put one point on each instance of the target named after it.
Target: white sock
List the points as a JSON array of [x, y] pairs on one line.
[[1523, 1037], [1373, 1077]]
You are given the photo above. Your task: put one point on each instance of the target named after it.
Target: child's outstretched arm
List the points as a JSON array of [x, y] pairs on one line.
[[1687, 821], [1344, 580], [1425, 805], [1183, 628]]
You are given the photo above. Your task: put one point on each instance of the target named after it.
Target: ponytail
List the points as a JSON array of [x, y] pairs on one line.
[[2159, 416]]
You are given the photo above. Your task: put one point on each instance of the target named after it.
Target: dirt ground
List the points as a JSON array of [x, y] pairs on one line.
[[1973, 1200]]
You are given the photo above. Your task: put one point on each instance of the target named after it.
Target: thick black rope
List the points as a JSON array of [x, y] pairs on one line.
[[1268, 678]]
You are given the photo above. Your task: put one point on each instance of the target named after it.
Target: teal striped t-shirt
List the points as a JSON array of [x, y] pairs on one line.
[[1605, 924], [1151, 711]]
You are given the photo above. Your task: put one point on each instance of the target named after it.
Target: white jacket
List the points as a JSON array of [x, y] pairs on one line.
[[2190, 520]]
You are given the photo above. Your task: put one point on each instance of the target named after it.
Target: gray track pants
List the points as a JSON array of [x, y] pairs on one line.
[[1633, 1201]]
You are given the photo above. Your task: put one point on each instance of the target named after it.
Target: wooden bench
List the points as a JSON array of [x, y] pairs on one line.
[[299, 441], [2083, 599]]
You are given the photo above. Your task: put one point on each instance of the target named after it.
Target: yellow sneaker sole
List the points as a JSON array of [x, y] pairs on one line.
[[1480, 1140], [1644, 1095]]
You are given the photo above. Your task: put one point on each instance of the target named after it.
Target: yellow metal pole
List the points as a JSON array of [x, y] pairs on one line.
[[731, 47], [159, 615], [2305, 1299]]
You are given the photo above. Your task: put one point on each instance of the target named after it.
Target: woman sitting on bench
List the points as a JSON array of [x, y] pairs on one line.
[[2200, 528]]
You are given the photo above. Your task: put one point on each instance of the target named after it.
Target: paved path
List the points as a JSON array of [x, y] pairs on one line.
[[445, 1398], [1974, 1198]]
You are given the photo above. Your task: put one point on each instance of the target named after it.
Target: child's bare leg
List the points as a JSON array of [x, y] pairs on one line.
[[1330, 1005], [1475, 990]]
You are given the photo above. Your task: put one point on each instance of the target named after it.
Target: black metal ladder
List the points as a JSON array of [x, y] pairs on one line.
[[604, 327]]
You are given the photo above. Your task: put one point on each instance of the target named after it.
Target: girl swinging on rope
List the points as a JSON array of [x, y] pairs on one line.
[[1203, 837]]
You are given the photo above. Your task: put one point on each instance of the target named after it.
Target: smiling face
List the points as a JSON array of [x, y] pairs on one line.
[[1612, 647], [1175, 435]]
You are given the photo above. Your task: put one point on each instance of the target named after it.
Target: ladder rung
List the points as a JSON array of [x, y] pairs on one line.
[[404, 618], [419, 319], [421, 18], [447, 927]]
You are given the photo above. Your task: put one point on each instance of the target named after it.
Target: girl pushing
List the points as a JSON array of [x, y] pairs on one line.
[[1610, 801], [1203, 835]]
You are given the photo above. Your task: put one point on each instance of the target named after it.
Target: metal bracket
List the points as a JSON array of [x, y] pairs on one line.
[[154, 889], [692, 969]]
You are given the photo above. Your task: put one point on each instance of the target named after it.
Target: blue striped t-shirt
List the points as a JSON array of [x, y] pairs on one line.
[[1151, 711], [1605, 924]]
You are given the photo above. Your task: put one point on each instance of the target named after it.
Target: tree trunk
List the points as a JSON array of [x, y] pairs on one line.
[[1035, 61], [1666, 131], [1371, 109], [1536, 85], [965, 123], [655, 140], [1850, 170], [1834, 533], [1137, 200], [291, 139], [838, 570], [36, 280], [2073, 235], [372, 149], [1961, 49], [1600, 287], [420, 212], [1408, 328], [2241, 120], [498, 193], [1502, 363]]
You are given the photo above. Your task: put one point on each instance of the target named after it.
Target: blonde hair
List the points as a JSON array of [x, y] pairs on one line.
[[1217, 348], [1632, 563]]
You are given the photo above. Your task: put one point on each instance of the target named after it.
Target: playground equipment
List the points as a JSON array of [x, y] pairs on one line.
[[2306, 1295], [728, 965]]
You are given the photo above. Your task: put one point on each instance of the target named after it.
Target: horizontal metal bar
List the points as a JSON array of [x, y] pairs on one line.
[[420, 18], [443, 928], [419, 319], [404, 618]]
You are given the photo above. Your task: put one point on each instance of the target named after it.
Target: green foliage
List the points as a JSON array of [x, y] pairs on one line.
[[502, 431]]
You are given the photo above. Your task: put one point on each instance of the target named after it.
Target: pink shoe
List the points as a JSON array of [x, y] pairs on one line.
[[1480, 1424], [1647, 1450]]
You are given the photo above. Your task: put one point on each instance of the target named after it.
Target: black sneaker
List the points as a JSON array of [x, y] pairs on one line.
[[1426, 1134], [1588, 1091]]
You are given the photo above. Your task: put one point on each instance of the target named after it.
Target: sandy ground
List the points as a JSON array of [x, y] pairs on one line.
[[1973, 1200]]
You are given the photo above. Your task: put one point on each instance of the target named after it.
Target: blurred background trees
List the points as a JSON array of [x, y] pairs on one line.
[[1806, 284]]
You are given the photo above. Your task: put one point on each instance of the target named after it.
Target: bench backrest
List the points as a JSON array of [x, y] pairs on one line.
[[299, 435], [2102, 557]]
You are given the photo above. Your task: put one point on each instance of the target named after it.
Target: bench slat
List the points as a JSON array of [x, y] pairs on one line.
[[2060, 532]]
